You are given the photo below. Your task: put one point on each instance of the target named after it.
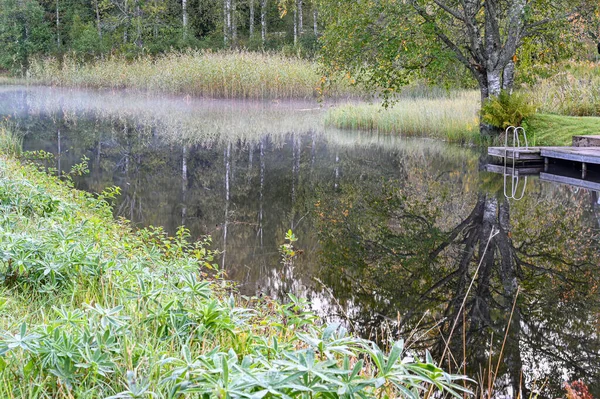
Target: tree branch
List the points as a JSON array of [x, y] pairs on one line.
[[450, 11], [442, 36]]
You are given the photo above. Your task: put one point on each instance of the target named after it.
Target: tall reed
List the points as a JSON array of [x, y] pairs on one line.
[[453, 118], [11, 142], [226, 74]]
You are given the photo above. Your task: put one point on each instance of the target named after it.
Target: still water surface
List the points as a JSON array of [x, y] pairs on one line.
[[391, 230]]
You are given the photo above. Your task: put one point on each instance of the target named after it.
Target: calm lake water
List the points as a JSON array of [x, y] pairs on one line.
[[393, 233]]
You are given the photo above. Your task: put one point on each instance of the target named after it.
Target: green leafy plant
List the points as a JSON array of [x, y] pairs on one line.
[[287, 250], [507, 109]]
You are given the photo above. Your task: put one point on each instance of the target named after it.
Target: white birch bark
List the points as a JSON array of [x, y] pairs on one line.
[[295, 26], [300, 19], [251, 25], [184, 12], [263, 20], [57, 26]]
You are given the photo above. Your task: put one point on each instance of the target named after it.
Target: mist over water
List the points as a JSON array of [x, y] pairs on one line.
[[391, 230]]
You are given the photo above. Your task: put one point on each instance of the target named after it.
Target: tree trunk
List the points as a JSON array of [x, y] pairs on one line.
[[300, 20], [127, 22], [295, 26], [57, 26], [494, 82], [487, 48], [315, 27], [138, 17], [508, 76], [185, 17], [98, 19], [227, 21], [251, 18], [263, 20], [233, 22]]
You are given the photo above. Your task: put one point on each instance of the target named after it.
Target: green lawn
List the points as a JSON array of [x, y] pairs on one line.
[[558, 130]]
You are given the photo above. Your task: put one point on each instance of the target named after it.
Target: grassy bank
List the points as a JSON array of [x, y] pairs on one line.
[[238, 74], [89, 309], [452, 117], [558, 130]]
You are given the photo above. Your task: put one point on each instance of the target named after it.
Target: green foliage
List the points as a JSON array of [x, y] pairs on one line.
[[287, 250], [362, 40], [92, 309], [23, 32], [558, 130], [507, 109]]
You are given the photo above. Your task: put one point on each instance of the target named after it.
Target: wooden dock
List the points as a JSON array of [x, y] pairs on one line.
[[520, 154], [577, 154], [519, 171], [554, 173], [582, 155], [570, 181], [545, 161]]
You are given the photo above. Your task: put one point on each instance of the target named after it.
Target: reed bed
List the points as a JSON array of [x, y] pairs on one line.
[[11, 142], [453, 118], [227, 74]]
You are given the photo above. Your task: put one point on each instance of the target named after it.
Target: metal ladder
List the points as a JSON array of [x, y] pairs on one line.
[[514, 179]]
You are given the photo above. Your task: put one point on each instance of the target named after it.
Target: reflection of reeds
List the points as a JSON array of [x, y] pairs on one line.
[[453, 118], [174, 119], [238, 74]]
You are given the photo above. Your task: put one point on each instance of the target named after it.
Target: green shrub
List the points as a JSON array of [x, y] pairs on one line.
[[507, 109]]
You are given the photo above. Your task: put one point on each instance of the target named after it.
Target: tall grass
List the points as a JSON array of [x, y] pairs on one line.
[[574, 91], [90, 309], [558, 130], [10, 80], [11, 142], [453, 117], [226, 74]]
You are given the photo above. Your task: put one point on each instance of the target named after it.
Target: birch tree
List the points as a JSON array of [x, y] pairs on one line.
[[184, 12], [395, 40], [263, 20], [251, 21]]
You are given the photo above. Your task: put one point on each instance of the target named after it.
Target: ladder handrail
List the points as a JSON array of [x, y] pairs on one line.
[[514, 178]]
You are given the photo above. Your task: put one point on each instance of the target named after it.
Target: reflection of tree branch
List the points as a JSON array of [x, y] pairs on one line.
[[456, 231]]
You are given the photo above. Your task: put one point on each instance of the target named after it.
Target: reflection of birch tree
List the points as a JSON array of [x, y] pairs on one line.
[[389, 250], [227, 159]]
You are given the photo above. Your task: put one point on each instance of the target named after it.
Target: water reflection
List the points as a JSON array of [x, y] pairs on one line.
[[391, 230]]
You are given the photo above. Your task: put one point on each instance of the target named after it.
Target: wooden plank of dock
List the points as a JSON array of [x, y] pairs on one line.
[[571, 181], [519, 171], [577, 154], [520, 154]]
